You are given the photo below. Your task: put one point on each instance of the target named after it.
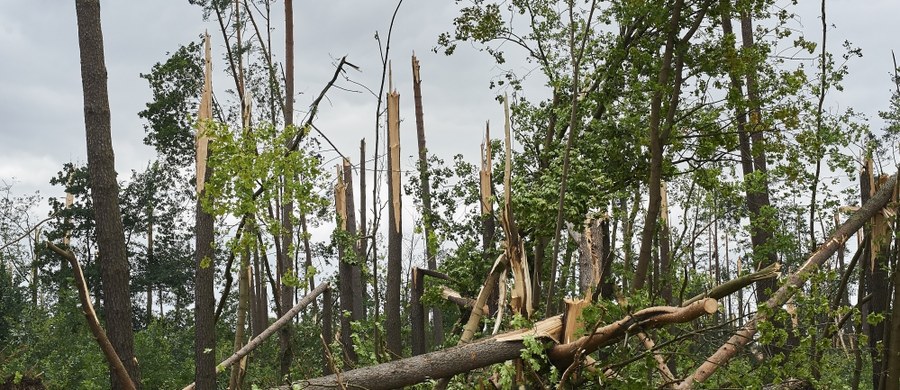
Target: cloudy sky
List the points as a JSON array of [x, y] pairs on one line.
[[40, 89]]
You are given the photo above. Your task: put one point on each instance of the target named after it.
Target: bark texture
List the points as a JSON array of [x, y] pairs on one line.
[[463, 358], [105, 189]]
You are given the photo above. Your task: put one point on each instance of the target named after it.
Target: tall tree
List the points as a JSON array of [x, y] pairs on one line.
[[285, 260], [204, 301], [105, 189]]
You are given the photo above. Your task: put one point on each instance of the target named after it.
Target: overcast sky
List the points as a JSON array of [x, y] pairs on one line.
[[41, 122]]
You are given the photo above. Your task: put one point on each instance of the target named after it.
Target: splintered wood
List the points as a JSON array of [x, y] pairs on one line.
[[521, 297], [203, 117], [393, 118]]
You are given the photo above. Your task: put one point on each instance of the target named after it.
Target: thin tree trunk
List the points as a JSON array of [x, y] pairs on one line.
[[395, 239], [666, 276], [892, 350], [285, 262], [760, 236], [150, 263], [363, 242], [238, 370], [327, 333], [345, 269], [417, 313], [356, 282], [105, 189], [656, 151], [431, 244]]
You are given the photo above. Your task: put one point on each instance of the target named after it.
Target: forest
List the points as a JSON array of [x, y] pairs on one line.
[[676, 196]]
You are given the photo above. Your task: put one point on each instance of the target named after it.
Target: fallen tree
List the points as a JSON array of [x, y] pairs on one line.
[[746, 334], [463, 358]]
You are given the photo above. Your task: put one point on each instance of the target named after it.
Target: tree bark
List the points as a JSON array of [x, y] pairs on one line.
[[204, 301], [115, 363], [656, 151], [356, 281], [105, 190], [238, 370], [460, 359], [431, 244], [345, 269], [417, 313], [327, 334], [285, 260], [395, 239]]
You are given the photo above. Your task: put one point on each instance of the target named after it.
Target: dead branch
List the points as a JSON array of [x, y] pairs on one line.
[[280, 323], [99, 334]]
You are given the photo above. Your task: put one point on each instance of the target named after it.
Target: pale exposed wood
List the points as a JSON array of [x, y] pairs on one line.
[[520, 297], [572, 323], [661, 365], [484, 174], [204, 116], [395, 239], [455, 297], [478, 310], [501, 302]]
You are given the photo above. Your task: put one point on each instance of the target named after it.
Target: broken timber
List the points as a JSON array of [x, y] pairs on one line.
[[467, 357]]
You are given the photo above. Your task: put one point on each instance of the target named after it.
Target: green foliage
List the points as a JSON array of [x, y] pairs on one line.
[[176, 85]]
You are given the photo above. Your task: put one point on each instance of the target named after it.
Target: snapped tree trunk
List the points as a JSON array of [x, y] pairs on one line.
[[345, 267], [427, 212], [392, 323], [204, 301]]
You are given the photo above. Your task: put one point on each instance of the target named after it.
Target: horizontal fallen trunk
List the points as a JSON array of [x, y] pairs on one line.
[[467, 357]]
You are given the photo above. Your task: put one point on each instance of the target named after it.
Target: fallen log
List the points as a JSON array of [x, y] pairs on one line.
[[463, 358]]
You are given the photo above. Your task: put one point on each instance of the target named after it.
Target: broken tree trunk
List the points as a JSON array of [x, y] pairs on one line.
[[456, 360], [431, 244], [743, 336], [392, 323], [345, 268]]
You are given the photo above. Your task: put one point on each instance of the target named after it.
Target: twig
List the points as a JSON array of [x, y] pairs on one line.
[[25, 234]]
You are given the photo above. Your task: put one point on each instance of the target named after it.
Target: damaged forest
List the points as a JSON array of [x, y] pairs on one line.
[[673, 194]]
